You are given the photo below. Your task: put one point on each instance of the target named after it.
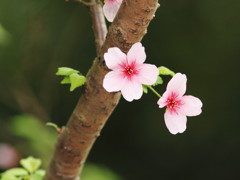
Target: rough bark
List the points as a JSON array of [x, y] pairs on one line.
[[96, 105]]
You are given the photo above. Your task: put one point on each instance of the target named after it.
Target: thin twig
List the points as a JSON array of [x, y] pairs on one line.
[[99, 24], [154, 91]]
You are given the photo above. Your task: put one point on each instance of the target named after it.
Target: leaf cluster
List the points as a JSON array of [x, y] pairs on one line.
[[72, 77], [29, 171]]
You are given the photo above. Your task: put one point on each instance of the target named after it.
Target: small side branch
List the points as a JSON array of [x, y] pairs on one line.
[[99, 24]]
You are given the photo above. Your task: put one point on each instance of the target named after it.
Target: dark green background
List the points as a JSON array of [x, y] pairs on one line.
[[198, 38]]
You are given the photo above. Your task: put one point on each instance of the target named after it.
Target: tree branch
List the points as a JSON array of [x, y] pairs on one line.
[[96, 105], [99, 24]]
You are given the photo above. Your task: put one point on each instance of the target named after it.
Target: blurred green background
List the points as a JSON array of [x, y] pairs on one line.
[[198, 38]]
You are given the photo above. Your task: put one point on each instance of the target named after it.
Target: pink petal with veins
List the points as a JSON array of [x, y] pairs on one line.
[[132, 91], [114, 57], [148, 74], [176, 123], [136, 54], [113, 81], [178, 84], [111, 8], [191, 106]]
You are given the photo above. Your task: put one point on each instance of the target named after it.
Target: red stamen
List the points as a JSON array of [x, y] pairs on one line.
[[129, 70], [173, 103]]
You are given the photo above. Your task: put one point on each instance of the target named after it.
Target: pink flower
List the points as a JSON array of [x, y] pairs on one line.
[[110, 9], [128, 72], [178, 105]]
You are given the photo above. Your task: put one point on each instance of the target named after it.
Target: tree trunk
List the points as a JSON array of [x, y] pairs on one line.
[[96, 105]]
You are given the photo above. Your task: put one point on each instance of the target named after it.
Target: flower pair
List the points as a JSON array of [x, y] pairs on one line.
[[128, 74]]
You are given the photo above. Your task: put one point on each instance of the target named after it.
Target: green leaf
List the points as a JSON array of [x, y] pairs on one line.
[[159, 81], [24, 127], [72, 77], [76, 81], [98, 172], [165, 71], [7, 176], [66, 80], [5, 36], [145, 89], [31, 164], [38, 175], [66, 71], [17, 171], [41, 172]]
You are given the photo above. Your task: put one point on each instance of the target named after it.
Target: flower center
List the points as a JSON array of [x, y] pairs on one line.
[[171, 103], [129, 70]]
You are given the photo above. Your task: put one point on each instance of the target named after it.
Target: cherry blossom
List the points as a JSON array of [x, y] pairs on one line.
[[129, 72], [178, 105], [110, 9]]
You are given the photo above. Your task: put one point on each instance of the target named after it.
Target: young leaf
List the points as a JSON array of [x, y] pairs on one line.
[[7, 176], [76, 81], [40, 172], [66, 80], [159, 81], [66, 71], [52, 125], [165, 71], [17, 172], [38, 175], [145, 89], [72, 77], [31, 164]]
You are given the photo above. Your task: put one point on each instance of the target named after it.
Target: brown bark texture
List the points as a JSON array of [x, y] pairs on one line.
[[96, 105]]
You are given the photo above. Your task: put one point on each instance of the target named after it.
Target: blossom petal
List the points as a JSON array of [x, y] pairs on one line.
[[132, 90], [176, 123], [136, 54], [114, 57], [191, 106], [111, 8], [147, 74], [162, 102], [177, 84], [113, 81]]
